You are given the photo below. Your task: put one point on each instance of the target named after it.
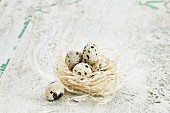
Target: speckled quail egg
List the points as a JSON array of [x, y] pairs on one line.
[[82, 69], [73, 58], [99, 65], [54, 91], [90, 54]]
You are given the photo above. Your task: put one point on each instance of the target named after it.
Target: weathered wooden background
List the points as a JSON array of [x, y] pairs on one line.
[[138, 31]]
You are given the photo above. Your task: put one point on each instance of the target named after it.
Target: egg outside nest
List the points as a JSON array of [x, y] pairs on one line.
[[54, 91]]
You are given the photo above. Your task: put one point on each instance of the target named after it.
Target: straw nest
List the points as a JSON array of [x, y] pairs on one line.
[[98, 84]]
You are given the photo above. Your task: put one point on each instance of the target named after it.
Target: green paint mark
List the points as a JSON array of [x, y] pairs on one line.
[[151, 6], [40, 10], [15, 47], [168, 12], [151, 2], [3, 67], [155, 1], [77, 1], [25, 27]]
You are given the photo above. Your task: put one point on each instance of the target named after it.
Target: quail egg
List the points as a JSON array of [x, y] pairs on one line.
[[82, 69], [72, 58], [99, 65], [54, 91], [90, 54]]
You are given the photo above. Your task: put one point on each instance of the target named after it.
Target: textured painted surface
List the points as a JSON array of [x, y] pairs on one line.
[[3, 66], [138, 33]]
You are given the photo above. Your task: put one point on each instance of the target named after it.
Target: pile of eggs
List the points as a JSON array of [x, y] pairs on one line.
[[80, 63], [86, 62]]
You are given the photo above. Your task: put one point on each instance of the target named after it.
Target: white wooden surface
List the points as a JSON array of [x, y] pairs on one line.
[[138, 34]]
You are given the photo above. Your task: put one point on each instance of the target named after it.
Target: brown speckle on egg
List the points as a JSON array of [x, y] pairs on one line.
[[92, 76], [88, 56], [86, 66], [85, 61], [92, 46]]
